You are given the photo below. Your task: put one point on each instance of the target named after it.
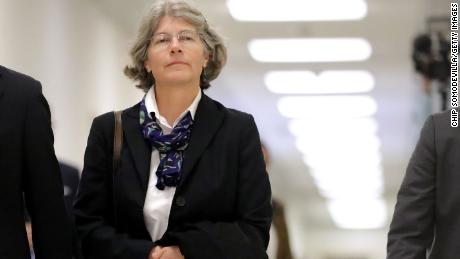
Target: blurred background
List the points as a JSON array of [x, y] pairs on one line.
[[331, 83]]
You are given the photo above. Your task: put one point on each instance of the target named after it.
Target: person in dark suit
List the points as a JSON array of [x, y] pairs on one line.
[[426, 220], [28, 168], [191, 181], [278, 247], [70, 179]]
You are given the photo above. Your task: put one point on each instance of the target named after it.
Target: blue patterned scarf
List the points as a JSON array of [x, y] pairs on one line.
[[171, 146]]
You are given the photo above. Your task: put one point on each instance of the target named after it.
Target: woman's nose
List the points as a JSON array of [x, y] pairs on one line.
[[175, 45]]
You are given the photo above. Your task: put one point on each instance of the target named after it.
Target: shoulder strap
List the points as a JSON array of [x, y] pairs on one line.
[[117, 145], [117, 141]]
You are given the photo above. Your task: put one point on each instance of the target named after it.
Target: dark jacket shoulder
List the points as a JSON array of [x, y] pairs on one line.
[[444, 116], [21, 91], [233, 115], [20, 81], [102, 128], [103, 119], [441, 123]]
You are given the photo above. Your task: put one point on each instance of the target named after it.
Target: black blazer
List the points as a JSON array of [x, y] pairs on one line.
[[28, 164], [221, 208], [427, 213]]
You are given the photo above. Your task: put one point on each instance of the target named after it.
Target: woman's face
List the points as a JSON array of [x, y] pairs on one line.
[[176, 54]]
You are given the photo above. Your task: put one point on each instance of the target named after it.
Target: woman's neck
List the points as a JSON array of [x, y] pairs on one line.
[[172, 101]]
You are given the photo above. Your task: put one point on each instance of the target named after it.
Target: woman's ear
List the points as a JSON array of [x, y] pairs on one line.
[[146, 66], [206, 60]]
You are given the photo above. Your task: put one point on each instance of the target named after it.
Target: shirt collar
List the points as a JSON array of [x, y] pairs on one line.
[[151, 105]]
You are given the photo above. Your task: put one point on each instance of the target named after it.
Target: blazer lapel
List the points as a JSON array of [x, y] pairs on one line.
[[208, 118], [137, 145]]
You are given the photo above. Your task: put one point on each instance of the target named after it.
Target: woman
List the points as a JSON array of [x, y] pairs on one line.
[[191, 181]]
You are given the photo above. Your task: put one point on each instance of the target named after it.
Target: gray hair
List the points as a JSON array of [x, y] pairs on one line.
[[212, 42]]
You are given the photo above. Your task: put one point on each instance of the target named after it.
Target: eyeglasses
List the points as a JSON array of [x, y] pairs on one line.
[[185, 38]]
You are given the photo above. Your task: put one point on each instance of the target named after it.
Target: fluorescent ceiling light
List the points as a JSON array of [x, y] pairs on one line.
[[337, 140], [333, 151], [332, 107], [349, 184], [349, 188], [345, 157], [310, 50], [369, 189], [355, 169], [358, 176], [297, 10], [365, 160], [328, 135], [356, 193], [327, 82], [346, 152], [301, 127], [358, 214], [333, 173]]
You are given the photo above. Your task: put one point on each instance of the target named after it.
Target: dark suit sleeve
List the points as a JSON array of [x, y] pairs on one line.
[[42, 182], [248, 235], [412, 229], [93, 206]]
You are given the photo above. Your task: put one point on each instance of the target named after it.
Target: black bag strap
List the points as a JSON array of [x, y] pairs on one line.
[[117, 145]]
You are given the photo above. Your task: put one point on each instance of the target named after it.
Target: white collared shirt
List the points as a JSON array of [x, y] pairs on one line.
[[158, 203]]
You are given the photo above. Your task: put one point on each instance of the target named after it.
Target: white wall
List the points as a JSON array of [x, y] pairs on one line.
[[78, 54]]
